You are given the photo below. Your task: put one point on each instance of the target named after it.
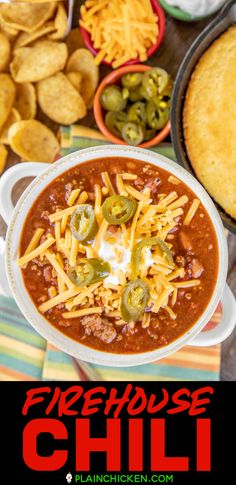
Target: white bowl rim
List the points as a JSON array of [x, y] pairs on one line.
[[15, 279]]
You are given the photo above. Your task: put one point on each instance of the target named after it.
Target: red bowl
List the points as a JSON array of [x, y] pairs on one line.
[[162, 22]]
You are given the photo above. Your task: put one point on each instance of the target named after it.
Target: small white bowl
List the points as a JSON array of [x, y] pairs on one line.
[[15, 218]]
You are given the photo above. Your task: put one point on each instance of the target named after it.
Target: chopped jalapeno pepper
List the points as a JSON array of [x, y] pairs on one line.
[[125, 93], [148, 134], [166, 252], [112, 99], [144, 93], [83, 223], [154, 81], [157, 116], [87, 271], [118, 209], [135, 95], [115, 120], [167, 91], [137, 113], [134, 300], [136, 256], [131, 80], [132, 133]]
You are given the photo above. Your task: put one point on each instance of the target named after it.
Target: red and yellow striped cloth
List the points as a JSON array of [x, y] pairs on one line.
[[25, 355]]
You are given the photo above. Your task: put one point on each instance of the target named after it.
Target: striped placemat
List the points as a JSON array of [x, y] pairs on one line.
[[25, 355], [76, 137]]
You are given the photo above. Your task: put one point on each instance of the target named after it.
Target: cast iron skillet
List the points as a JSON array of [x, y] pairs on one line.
[[220, 24]]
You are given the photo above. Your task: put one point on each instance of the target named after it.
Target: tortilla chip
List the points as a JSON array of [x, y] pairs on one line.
[[32, 1], [74, 41], [75, 79], [5, 52], [12, 118], [3, 157], [26, 16], [59, 100], [60, 23], [25, 101], [82, 61], [7, 96], [42, 60], [33, 141], [19, 56], [26, 38], [9, 32]]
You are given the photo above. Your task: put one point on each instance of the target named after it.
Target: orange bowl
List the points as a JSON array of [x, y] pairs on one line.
[[114, 78]]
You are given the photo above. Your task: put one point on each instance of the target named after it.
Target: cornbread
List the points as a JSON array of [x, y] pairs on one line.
[[210, 120]]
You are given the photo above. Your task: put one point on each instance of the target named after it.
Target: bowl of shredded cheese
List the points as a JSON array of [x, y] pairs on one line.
[[121, 32]]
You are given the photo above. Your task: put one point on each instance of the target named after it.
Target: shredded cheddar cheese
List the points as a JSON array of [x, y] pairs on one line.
[[52, 259], [135, 193], [163, 277], [57, 233], [73, 196], [34, 241], [120, 184], [59, 215], [36, 252], [80, 313], [191, 212], [102, 230], [64, 223], [59, 299], [83, 197], [107, 181], [74, 251], [173, 180]]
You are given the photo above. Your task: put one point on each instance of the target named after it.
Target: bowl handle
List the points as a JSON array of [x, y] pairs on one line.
[[224, 328], [10, 178]]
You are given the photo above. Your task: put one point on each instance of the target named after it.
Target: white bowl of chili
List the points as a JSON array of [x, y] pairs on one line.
[[189, 297]]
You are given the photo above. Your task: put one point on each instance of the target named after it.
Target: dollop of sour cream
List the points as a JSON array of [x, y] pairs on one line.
[[113, 251], [197, 8]]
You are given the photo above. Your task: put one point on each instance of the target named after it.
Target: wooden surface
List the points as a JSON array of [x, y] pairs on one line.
[[178, 37]]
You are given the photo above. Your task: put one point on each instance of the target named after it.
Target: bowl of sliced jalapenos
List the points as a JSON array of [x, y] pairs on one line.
[[132, 105]]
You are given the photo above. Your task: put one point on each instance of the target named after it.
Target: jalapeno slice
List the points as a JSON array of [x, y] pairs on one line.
[[157, 116], [148, 134], [135, 94], [162, 101], [87, 271], [132, 133], [131, 80], [155, 81], [144, 93], [136, 256], [112, 99], [125, 93], [137, 113], [167, 91], [134, 300], [115, 120], [83, 223], [166, 252], [118, 209]]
